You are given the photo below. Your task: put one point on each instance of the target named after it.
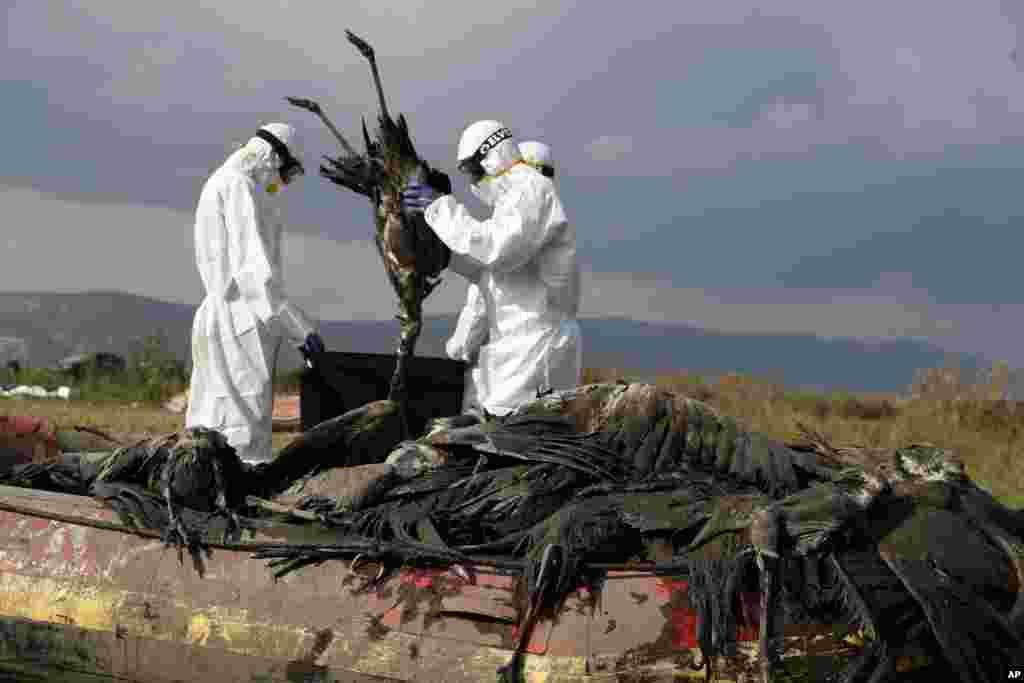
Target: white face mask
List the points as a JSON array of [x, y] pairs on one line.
[[276, 186]]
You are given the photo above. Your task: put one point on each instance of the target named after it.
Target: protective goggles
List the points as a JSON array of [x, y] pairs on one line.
[[290, 167], [473, 165]]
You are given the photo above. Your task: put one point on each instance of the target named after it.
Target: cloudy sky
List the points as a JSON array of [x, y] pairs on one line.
[[826, 166]]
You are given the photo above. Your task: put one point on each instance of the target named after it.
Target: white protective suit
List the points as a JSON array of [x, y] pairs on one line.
[[471, 329], [238, 328], [528, 283], [465, 343]]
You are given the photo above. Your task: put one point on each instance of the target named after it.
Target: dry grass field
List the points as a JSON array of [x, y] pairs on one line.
[[118, 418], [946, 410], [972, 419]]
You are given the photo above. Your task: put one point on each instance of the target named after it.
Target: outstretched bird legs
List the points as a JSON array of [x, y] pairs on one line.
[[547, 573], [408, 286], [314, 108], [367, 51]]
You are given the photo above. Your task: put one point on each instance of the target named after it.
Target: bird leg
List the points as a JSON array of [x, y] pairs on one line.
[[398, 393], [176, 533], [367, 52], [769, 567], [221, 508], [481, 462], [410, 317], [764, 532], [547, 574], [314, 108]]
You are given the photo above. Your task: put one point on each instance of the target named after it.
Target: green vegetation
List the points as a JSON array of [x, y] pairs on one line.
[[152, 375]]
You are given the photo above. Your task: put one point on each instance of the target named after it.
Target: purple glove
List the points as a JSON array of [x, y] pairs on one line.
[[418, 197], [313, 344]]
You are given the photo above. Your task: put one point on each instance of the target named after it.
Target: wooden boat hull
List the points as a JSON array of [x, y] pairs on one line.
[[102, 604]]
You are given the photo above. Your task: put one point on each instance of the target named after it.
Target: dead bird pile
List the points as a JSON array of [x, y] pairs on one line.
[[898, 543]]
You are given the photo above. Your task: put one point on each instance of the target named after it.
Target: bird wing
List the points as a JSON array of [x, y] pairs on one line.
[[935, 554]]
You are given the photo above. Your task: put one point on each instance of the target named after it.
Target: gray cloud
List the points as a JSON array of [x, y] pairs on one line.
[[200, 75], [782, 113], [828, 313], [743, 146], [198, 72], [610, 148]]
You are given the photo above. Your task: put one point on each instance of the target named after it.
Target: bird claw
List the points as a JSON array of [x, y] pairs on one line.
[[356, 562], [363, 558], [172, 537], [768, 564], [178, 536], [302, 103], [481, 462], [361, 45]]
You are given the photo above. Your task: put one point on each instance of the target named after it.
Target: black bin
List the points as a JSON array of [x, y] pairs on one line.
[[344, 381]]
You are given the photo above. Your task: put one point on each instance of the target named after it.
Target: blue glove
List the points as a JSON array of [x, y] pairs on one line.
[[313, 344], [418, 197]]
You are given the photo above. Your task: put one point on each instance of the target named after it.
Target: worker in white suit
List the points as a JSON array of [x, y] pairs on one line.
[[245, 314], [528, 278], [471, 329]]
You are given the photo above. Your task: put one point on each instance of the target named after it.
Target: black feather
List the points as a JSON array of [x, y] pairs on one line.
[[974, 638]]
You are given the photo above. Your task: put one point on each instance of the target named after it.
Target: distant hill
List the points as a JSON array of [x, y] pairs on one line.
[[56, 325]]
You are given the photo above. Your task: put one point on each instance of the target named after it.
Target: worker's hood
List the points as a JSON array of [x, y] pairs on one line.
[[256, 159], [491, 187]]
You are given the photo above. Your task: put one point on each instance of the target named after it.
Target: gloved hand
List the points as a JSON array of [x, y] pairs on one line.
[[418, 197], [439, 181], [313, 344]]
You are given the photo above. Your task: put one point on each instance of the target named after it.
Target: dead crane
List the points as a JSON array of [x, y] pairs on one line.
[[413, 255]]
